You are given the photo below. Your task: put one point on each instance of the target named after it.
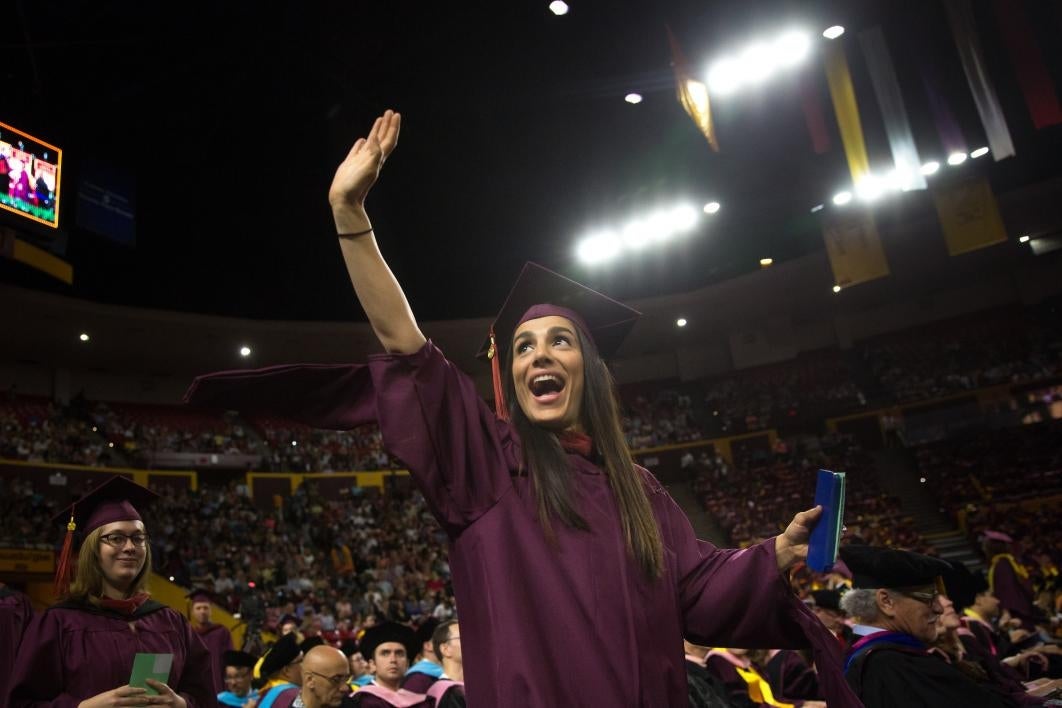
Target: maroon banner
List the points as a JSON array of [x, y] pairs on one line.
[[1033, 77]]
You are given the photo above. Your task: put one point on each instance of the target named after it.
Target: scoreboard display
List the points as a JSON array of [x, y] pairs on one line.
[[30, 171]]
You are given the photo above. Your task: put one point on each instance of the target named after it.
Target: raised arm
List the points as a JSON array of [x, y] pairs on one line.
[[378, 291]]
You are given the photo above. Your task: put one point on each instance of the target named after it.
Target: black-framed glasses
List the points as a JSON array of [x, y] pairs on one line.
[[458, 637], [928, 599], [337, 680], [118, 540]]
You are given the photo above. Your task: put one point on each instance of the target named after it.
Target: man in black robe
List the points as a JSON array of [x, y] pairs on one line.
[[896, 602]]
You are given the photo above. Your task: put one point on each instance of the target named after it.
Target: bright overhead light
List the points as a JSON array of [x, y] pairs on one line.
[[711, 207], [956, 158], [245, 351], [930, 167], [84, 337], [558, 7], [791, 48], [817, 207], [633, 98], [842, 198], [1023, 238], [681, 322], [979, 152], [598, 248], [869, 188], [724, 77], [294, 443], [682, 218], [837, 288], [833, 32], [766, 262], [757, 62]]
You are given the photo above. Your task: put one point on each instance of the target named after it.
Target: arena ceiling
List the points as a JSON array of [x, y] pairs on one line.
[[516, 141]]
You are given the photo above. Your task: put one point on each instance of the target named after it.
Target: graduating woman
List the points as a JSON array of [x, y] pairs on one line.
[[80, 652], [576, 574]]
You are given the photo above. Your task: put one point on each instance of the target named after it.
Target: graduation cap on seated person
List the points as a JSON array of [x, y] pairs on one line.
[[200, 595], [540, 292], [827, 599], [239, 659], [388, 632], [962, 586], [875, 567], [116, 499], [284, 652]]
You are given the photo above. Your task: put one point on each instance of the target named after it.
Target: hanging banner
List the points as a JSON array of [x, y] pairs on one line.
[[1033, 77], [969, 216], [692, 94], [960, 16], [893, 112], [951, 137], [854, 248], [842, 93], [814, 118]]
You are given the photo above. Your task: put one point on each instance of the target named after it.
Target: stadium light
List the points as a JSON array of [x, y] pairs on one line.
[[833, 32], [956, 158], [979, 152], [633, 98], [930, 168], [837, 288], [711, 207], [84, 337], [758, 61], [656, 227], [817, 207], [842, 198], [558, 7], [681, 322], [1024, 238], [766, 262], [869, 188], [245, 351]]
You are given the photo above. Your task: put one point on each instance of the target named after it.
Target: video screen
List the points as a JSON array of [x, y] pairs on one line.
[[29, 176]]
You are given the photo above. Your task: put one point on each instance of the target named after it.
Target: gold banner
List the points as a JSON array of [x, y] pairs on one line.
[[969, 216], [26, 560], [843, 96], [855, 251]]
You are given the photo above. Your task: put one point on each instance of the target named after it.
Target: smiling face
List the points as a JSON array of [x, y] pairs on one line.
[[548, 372], [121, 565], [904, 613]]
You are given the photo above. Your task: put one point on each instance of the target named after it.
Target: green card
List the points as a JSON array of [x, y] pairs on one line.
[[150, 666]]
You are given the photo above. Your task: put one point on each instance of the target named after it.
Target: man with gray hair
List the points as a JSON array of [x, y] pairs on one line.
[[896, 602]]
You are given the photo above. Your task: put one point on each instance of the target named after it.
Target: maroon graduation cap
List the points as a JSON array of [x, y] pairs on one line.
[[539, 292], [116, 499]]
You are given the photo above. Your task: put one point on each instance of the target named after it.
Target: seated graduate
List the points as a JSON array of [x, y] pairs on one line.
[[215, 637], [427, 670], [449, 690], [826, 604], [238, 669], [389, 645], [746, 681], [80, 651], [325, 673], [279, 673], [896, 602], [560, 544]]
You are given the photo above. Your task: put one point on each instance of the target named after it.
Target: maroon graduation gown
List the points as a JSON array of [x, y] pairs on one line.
[[1014, 593], [217, 640], [373, 696], [73, 651], [533, 613], [15, 615]]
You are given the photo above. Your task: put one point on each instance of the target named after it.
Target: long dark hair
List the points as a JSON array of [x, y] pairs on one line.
[[547, 462]]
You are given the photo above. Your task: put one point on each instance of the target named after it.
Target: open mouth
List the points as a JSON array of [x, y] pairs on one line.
[[546, 388]]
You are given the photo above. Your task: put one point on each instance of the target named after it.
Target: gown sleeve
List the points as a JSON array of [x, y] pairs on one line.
[[739, 598], [428, 410], [37, 678]]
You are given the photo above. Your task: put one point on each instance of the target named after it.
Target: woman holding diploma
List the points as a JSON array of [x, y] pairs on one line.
[[80, 652], [576, 574]]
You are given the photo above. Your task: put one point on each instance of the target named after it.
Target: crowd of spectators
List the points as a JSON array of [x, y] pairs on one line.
[[35, 429]]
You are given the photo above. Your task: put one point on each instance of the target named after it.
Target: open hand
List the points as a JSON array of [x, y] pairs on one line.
[[357, 173], [792, 545]]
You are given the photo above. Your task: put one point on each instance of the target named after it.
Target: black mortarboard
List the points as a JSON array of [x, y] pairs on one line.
[[349, 647], [388, 632], [284, 652], [827, 599], [424, 631], [963, 586], [540, 292], [116, 499], [310, 642], [875, 567], [238, 658]]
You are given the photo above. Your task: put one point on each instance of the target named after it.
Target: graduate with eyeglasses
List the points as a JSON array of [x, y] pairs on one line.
[[80, 651], [559, 544]]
